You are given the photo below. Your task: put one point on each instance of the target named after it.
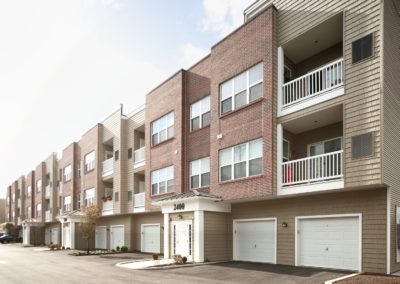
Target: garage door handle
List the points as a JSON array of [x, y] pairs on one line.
[[327, 249], [255, 246]]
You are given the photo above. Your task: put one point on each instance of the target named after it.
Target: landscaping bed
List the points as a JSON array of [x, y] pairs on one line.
[[366, 278]]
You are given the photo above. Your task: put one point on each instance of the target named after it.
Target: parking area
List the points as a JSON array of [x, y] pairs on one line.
[[27, 265]]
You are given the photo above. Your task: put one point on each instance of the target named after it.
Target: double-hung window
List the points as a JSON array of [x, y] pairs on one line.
[[67, 173], [162, 129], [162, 181], [67, 203], [89, 197], [241, 161], [242, 89], [200, 173], [90, 160], [200, 115]]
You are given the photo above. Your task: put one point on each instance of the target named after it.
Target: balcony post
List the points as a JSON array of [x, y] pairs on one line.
[[279, 154], [281, 64], [166, 236]]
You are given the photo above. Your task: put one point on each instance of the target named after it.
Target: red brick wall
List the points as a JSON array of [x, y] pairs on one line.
[[68, 158], [40, 174], [8, 205], [29, 181]]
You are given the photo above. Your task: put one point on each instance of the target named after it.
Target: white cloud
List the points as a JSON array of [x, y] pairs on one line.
[[191, 54], [223, 16]]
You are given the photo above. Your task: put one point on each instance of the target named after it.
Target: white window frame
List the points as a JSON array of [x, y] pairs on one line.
[[156, 130], [200, 104], [39, 185], [155, 179], [247, 160], [89, 199], [67, 203], [200, 173], [248, 87], [67, 173], [90, 164]]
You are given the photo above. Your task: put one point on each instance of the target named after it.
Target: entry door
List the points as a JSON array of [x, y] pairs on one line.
[[329, 242], [182, 238], [255, 240], [117, 236], [100, 237], [151, 238], [67, 237], [55, 236]]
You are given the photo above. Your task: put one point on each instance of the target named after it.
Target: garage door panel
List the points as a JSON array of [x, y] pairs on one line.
[[151, 238], [101, 237], [329, 242]]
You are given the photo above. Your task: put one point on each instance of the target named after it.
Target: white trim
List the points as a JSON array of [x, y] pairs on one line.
[[166, 236], [141, 235], [358, 215], [234, 238], [281, 64], [313, 187], [195, 203], [279, 153], [189, 222], [198, 244], [288, 157], [388, 244]]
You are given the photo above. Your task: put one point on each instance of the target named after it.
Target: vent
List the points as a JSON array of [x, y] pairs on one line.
[[362, 146], [362, 48]]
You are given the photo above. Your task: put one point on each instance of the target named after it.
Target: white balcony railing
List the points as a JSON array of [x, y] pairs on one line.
[[47, 191], [139, 200], [313, 169], [108, 208], [314, 83], [108, 167], [19, 202], [140, 155], [47, 217], [19, 222]]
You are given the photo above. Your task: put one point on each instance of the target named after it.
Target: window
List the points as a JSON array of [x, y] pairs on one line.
[[200, 173], [200, 115], [362, 145], [162, 181], [116, 156], [116, 196], [129, 153], [13, 197], [78, 169], [78, 201], [242, 89], [29, 191], [162, 129], [286, 151], [39, 185], [89, 197], [130, 195], [67, 173], [90, 162], [362, 48], [240, 161], [38, 210], [29, 212], [67, 203]]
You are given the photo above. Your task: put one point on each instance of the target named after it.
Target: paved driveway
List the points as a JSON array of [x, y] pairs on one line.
[[24, 265]]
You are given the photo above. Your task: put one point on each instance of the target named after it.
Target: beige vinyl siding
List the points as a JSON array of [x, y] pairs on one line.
[[361, 102], [149, 218], [391, 116], [217, 236], [125, 220], [370, 203]]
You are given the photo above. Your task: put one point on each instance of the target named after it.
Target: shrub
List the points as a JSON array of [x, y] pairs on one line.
[[63, 248], [178, 259], [155, 256], [184, 260], [118, 248], [124, 249], [113, 250]]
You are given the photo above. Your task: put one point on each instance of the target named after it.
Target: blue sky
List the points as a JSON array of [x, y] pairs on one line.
[[66, 64]]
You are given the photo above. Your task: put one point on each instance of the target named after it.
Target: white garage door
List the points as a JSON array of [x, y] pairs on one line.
[[55, 236], [47, 236], [329, 242], [67, 237], [117, 236], [100, 238], [151, 238], [255, 240]]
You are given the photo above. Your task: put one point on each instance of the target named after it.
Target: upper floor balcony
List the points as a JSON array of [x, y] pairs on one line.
[[139, 197], [139, 157], [47, 216], [107, 204], [310, 153], [48, 191], [107, 168], [311, 67], [19, 203]]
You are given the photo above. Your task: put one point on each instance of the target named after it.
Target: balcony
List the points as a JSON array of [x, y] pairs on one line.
[[47, 216], [19, 221], [108, 167], [108, 208], [19, 203], [139, 202], [139, 157], [47, 191]]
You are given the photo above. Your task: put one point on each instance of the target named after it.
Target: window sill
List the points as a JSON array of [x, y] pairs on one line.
[[241, 179], [199, 129], [241, 108], [163, 142]]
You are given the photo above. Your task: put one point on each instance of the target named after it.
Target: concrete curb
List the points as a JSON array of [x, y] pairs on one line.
[[341, 278]]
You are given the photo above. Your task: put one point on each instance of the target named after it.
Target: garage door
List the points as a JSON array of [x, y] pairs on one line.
[[67, 237], [117, 236], [47, 236], [55, 236], [151, 238], [255, 240], [100, 237], [329, 242]]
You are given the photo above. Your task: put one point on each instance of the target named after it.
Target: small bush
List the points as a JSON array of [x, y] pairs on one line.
[[155, 256], [118, 248], [178, 259], [113, 250], [63, 248], [184, 260], [124, 249]]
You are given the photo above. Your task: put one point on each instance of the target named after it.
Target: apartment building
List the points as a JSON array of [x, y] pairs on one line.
[[280, 146], [2, 210]]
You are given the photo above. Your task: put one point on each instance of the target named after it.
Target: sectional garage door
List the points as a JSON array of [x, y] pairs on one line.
[[117, 238], [329, 242], [255, 240], [101, 237], [151, 238]]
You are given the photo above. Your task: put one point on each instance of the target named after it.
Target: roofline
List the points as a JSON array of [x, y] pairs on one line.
[[161, 202], [166, 80]]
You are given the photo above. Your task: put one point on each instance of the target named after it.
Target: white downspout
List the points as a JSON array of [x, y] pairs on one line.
[[279, 154], [281, 64]]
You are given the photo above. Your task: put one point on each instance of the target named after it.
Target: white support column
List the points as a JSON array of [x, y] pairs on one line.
[[279, 155], [281, 65], [72, 233], [166, 236], [198, 236]]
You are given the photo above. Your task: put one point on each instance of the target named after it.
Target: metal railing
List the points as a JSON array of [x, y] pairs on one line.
[[139, 200], [108, 167], [140, 155], [321, 80], [47, 217], [108, 207], [313, 169], [47, 191]]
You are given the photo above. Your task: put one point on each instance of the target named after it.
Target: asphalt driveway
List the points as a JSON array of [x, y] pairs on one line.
[[27, 265]]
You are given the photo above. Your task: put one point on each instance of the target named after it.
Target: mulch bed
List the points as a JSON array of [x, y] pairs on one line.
[[370, 279]]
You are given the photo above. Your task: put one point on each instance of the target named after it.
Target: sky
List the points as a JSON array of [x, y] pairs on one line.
[[66, 65]]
